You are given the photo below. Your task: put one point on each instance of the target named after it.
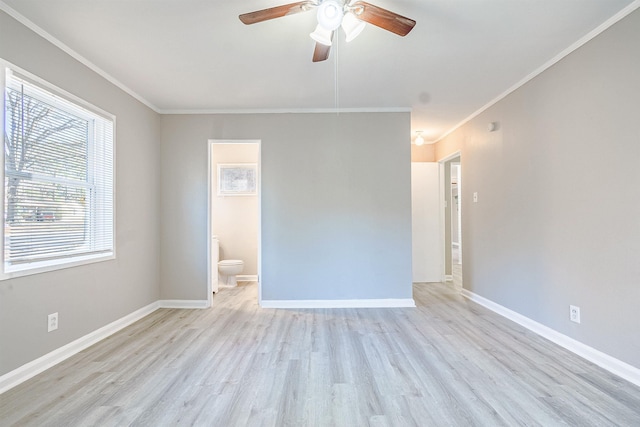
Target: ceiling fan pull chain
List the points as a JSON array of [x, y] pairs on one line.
[[335, 80]]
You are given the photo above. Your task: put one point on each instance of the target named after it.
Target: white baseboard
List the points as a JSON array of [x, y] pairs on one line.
[[448, 278], [611, 364], [33, 368], [179, 303], [247, 278], [344, 303]]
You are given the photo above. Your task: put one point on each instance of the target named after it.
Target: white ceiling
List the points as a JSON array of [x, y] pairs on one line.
[[195, 55]]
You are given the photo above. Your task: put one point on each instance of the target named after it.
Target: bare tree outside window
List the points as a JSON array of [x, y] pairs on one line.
[[46, 167]]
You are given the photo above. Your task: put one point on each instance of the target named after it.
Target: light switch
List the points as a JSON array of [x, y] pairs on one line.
[[475, 197]]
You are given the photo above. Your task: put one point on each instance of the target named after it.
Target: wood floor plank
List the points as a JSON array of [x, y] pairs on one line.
[[447, 362]]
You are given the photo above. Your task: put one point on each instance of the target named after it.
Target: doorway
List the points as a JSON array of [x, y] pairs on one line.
[[451, 174], [234, 210]]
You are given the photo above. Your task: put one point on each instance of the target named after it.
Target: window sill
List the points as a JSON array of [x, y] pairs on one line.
[[52, 265]]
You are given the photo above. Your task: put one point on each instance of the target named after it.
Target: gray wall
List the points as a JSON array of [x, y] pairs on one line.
[[336, 203], [91, 296], [548, 230]]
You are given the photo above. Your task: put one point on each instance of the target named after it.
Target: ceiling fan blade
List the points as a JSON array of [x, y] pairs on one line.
[[383, 18], [276, 12], [321, 52]]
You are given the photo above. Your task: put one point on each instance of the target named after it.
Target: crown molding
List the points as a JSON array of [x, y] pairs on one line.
[[53, 40], [47, 36], [289, 110], [573, 47], [75, 55]]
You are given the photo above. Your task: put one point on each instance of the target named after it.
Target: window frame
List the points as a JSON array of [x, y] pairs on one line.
[[82, 107]]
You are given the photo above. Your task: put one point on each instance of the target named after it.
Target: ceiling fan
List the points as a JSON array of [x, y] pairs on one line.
[[351, 15]]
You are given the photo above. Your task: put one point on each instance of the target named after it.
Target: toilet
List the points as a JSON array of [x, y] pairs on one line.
[[228, 270]]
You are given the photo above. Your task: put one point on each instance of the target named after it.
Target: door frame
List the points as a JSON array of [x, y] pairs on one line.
[[443, 220], [211, 193]]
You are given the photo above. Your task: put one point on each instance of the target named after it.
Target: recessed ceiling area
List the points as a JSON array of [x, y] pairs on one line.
[[196, 55]]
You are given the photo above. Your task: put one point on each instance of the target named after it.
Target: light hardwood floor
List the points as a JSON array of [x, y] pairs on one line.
[[446, 362]]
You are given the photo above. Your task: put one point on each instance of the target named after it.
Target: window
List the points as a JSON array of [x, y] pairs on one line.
[[58, 178]]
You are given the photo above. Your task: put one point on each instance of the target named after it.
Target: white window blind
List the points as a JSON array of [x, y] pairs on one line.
[[58, 179]]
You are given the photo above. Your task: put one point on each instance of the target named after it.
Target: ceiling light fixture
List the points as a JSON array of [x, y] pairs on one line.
[[352, 26], [419, 140], [322, 35], [353, 15], [331, 15]]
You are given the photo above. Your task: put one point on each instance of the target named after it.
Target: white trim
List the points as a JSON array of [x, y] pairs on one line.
[[247, 278], [75, 55], [33, 368], [180, 303], [259, 275], [35, 28], [42, 85], [340, 303], [211, 272], [575, 46], [79, 107], [443, 209], [292, 110], [53, 40], [611, 364], [3, 82], [457, 153], [28, 269]]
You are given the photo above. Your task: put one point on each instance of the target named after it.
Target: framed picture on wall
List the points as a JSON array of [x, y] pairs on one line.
[[237, 179]]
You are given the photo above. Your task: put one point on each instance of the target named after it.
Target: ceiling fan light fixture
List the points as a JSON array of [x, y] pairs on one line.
[[322, 35], [352, 26], [330, 13], [352, 15]]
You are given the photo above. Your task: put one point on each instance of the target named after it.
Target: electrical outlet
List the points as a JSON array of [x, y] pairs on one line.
[[52, 322], [574, 313]]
